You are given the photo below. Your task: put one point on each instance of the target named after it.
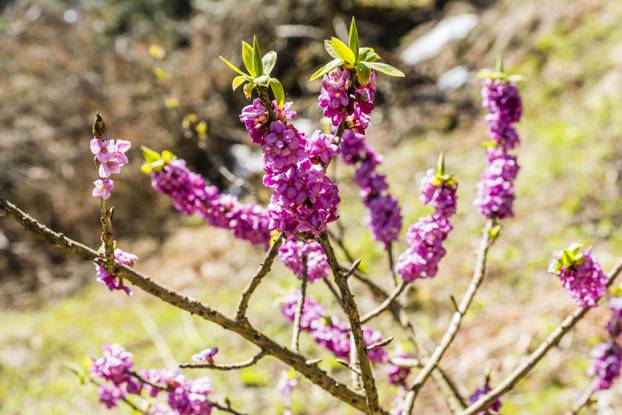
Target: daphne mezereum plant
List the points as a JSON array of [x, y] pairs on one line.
[[295, 226]]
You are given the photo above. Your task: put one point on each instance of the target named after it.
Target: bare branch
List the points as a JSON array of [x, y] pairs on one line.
[[523, 370], [400, 317], [352, 269], [456, 320], [406, 362], [351, 311], [391, 264], [106, 235], [300, 307], [225, 408], [386, 303], [380, 343], [229, 366], [243, 329], [585, 401], [262, 271]]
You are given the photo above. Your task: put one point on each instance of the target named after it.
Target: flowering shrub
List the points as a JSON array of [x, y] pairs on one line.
[[295, 227]]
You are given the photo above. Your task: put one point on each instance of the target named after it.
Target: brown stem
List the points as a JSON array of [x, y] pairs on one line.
[[385, 304], [300, 307], [456, 320], [584, 401], [106, 236], [391, 264], [351, 311], [523, 370], [243, 329], [262, 271], [400, 317], [228, 366]]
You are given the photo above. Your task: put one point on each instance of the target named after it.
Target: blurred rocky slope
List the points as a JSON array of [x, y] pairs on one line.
[[61, 61]]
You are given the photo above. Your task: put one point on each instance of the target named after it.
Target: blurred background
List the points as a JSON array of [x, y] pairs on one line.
[[61, 61]]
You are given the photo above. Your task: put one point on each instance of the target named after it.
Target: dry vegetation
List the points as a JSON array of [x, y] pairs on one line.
[[54, 75]]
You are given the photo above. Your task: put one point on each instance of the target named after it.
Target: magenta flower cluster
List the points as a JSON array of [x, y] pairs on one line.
[[113, 282], [294, 251], [495, 195], [581, 275], [116, 368], [304, 199], [191, 195], [330, 332], [480, 392], [348, 104], [607, 356], [398, 374], [110, 155], [345, 101], [385, 217], [247, 221], [426, 237]]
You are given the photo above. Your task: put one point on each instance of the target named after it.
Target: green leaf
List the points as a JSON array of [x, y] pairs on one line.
[[237, 81], [263, 80], [248, 89], [363, 73], [269, 60], [232, 66], [277, 90], [330, 50], [440, 165], [567, 259], [257, 63], [385, 69], [499, 67], [247, 57], [494, 231], [354, 40], [167, 156], [368, 55], [325, 69], [343, 51], [149, 154]]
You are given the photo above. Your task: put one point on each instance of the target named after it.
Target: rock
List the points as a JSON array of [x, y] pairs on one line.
[[434, 41], [453, 79]]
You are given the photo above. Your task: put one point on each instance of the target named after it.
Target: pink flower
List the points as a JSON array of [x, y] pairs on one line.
[[110, 154], [581, 275], [206, 355], [111, 281], [102, 188]]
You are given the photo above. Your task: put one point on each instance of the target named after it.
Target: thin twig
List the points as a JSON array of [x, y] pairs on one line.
[[391, 264], [124, 399], [385, 304], [228, 366], [406, 362], [106, 235], [300, 307], [353, 268], [398, 314], [243, 329], [357, 381], [351, 310], [262, 271], [225, 408], [456, 320], [584, 401], [333, 290], [380, 343], [523, 370]]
